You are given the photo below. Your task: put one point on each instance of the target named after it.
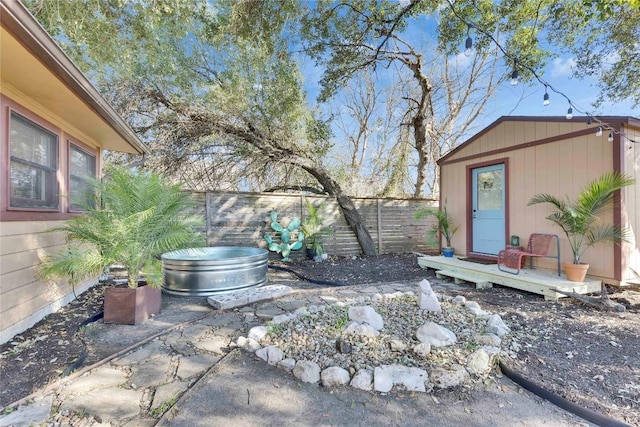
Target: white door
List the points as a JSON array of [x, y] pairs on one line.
[[488, 209]]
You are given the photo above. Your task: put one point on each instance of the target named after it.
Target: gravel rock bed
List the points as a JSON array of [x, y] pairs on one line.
[[315, 336]]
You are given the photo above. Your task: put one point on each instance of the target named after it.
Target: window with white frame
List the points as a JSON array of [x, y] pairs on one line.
[[33, 165], [82, 166]]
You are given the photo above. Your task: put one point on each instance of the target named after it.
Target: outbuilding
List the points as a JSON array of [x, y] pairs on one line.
[[487, 181]]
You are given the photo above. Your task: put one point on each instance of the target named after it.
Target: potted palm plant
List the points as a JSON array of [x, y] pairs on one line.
[[129, 219], [314, 230], [444, 226], [581, 219]]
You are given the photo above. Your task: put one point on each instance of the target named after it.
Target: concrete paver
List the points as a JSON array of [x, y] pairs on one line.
[[238, 390]]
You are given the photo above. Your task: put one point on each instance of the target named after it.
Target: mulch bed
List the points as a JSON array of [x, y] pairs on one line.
[[588, 356]]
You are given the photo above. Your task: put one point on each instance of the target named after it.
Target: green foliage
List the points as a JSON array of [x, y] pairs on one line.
[[581, 220], [312, 227], [130, 219], [349, 36], [291, 237], [340, 322], [444, 224], [211, 86]]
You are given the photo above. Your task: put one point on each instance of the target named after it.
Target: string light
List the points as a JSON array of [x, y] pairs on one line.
[[545, 100], [514, 77], [468, 44], [610, 137]]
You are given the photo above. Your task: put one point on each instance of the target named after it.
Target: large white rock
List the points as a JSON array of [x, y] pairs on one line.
[[257, 333], [362, 329], [459, 299], [282, 318], [271, 354], [386, 376], [363, 380], [428, 298], [478, 362], [488, 339], [496, 326], [366, 314], [287, 364], [436, 335], [422, 349], [471, 305], [334, 375], [307, 371], [397, 345], [451, 377], [248, 344]]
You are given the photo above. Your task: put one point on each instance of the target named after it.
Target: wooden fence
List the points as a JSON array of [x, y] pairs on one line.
[[242, 219]]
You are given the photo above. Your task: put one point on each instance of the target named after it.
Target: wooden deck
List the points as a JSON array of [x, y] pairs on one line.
[[485, 276]]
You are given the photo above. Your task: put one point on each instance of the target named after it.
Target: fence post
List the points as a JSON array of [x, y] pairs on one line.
[[379, 226]]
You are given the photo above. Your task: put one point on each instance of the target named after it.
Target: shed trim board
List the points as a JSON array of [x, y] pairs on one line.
[[550, 155], [614, 121], [518, 147]]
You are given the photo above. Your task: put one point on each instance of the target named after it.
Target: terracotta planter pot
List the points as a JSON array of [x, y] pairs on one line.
[[575, 272], [127, 306]]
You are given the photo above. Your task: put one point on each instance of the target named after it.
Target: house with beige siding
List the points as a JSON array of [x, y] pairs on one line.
[[54, 126], [488, 180]]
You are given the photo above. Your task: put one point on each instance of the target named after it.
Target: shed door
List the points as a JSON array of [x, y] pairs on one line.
[[488, 210]]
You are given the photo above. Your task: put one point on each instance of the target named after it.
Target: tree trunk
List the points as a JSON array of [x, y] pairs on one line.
[[271, 150], [344, 201]]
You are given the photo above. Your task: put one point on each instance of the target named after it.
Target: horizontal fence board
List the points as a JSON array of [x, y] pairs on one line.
[[242, 219]]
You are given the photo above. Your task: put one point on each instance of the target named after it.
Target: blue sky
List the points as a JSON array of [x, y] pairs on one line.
[[522, 99]]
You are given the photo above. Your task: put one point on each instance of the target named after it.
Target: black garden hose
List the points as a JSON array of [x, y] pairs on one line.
[[305, 278], [80, 360], [561, 402]]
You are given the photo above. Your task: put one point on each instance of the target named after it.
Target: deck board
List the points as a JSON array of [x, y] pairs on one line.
[[540, 282]]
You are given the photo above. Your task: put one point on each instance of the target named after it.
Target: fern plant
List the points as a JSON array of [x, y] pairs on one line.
[[130, 218]]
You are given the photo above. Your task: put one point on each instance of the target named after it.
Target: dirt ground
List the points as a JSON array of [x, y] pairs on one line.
[[588, 356]]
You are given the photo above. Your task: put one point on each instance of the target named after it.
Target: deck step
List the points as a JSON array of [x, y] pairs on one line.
[[459, 277]]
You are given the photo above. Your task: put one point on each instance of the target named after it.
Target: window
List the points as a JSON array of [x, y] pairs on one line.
[[82, 165], [33, 165]]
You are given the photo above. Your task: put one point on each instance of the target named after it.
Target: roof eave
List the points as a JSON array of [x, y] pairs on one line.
[[31, 34]]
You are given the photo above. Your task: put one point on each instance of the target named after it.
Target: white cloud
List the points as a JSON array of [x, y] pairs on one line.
[[563, 67]]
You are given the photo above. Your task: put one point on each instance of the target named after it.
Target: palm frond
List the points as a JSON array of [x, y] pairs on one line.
[[581, 220], [139, 217]]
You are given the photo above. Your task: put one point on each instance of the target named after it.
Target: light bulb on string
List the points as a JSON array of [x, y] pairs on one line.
[[599, 131], [569, 115], [610, 137], [514, 77], [545, 99], [468, 44]]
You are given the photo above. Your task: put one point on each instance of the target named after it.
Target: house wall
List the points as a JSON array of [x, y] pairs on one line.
[[631, 202], [25, 299], [24, 236], [537, 161]]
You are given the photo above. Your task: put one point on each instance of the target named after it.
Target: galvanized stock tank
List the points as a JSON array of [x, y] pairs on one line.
[[212, 270]]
